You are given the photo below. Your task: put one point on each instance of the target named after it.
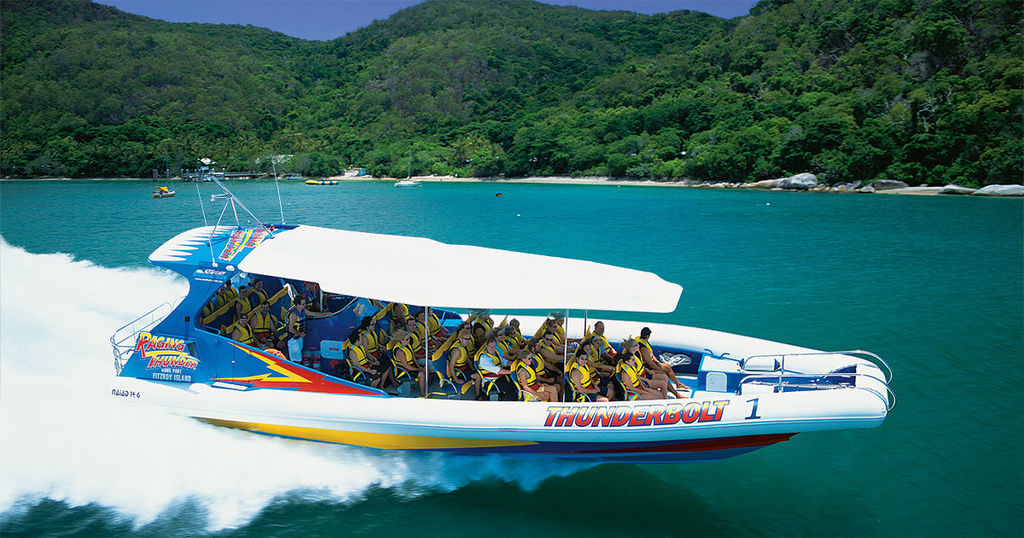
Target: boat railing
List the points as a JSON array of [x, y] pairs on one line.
[[123, 339], [860, 353], [777, 381]]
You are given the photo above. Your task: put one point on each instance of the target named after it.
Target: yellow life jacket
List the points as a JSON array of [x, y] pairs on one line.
[[225, 296], [631, 370], [361, 358], [246, 337], [588, 375], [415, 342], [531, 374], [459, 357], [244, 307], [408, 361], [602, 344], [257, 297], [644, 343], [540, 369], [435, 325], [486, 356], [299, 325], [371, 341], [559, 334], [261, 323]]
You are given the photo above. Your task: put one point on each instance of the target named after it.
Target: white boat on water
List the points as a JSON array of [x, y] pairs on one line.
[[407, 183], [747, 393]]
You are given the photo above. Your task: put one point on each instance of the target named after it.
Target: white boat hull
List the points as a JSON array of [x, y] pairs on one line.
[[708, 425]]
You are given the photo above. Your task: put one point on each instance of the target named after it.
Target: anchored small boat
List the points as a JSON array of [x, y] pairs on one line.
[[746, 393], [162, 192], [407, 183]]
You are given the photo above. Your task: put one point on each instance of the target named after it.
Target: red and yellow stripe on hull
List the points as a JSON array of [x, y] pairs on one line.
[[695, 450]]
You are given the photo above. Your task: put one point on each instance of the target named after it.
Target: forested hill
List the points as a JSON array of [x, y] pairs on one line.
[[916, 90]]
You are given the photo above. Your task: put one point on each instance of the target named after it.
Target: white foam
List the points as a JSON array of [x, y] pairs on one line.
[[66, 439]]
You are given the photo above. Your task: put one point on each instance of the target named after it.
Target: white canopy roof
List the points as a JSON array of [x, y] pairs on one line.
[[420, 271]]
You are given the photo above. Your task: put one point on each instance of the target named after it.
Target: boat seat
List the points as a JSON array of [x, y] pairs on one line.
[[576, 396], [523, 395], [627, 394]]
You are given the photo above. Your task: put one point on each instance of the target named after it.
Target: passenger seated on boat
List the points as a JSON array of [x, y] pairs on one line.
[[226, 294], [208, 309], [366, 326], [483, 316], [398, 313], [242, 305], [552, 353], [633, 375], [437, 332], [264, 327], [553, 324], [493, 366], [404, 359], [534, 347], [257, 296], [604, 349], [525, 369], [479, 335], [362, 363], [416, 337], [513, 336], [461, 369], [311, 291], [653, 378], [589, 351], [243, 332], [652, 362], [586, 380]]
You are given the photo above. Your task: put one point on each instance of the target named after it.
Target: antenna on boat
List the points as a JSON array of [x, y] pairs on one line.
[[235, 204], [278, 186], [201, 208], [232, 200]]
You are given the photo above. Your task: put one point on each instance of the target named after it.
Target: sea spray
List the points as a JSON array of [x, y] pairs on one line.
[[67, 439]]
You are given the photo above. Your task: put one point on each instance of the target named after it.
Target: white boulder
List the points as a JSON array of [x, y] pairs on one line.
[[1000, 190], [800, 181], [956, 189]]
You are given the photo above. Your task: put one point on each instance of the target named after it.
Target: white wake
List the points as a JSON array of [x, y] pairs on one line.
[[65, 438]]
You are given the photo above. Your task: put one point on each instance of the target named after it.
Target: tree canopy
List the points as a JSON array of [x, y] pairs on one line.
[[916, 90]]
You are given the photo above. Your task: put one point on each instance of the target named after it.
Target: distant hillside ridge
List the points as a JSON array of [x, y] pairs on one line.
[[925, 91]]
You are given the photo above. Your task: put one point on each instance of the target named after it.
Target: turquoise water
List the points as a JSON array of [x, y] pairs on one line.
[[935, 285]]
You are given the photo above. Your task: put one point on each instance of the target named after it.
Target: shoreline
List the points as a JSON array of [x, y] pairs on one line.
[[922, 190]]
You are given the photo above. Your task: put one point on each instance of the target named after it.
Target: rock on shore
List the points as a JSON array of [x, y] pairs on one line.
[[956, 189], [888, 184], [1000, 190], [802, 182]]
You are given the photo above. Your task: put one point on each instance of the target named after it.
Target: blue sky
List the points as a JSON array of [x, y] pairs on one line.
[[327, 19]]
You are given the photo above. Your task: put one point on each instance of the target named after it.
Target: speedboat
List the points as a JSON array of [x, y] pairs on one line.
[[407, 183], [746, 393], [162, 192]]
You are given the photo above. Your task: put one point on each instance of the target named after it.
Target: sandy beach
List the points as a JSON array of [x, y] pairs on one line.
[[921, 190]]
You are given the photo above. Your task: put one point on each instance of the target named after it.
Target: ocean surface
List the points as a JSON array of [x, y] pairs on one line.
[[935, 285]]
